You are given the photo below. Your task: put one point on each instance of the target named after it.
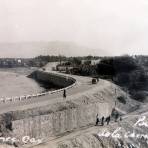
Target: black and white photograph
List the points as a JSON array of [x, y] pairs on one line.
[[73, 73]]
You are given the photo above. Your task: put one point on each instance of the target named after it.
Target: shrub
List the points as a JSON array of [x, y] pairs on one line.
[[139, 96], [121, 99]]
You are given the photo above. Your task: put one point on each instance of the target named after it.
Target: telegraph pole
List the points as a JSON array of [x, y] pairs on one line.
[[115, 97]]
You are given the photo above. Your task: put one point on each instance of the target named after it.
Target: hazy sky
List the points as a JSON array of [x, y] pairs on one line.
[[117, 26]]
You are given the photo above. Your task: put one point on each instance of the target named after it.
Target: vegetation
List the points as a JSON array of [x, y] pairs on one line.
[[127, 73], [121, 99], [41, 61]]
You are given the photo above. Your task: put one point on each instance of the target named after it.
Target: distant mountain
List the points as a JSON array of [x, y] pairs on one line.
[[32, 49]]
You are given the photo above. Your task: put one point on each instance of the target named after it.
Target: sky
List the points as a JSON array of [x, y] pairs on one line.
[[115, 26]]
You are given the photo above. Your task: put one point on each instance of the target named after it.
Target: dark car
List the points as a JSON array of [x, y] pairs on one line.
[[94, 80]]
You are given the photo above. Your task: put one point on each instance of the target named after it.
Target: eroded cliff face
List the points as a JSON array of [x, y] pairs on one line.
[[67, 118], [131, 132]]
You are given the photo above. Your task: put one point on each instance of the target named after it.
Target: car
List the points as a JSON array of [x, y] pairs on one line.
[[94, 81]]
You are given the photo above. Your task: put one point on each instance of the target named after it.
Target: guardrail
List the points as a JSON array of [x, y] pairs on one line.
[[27, 97]]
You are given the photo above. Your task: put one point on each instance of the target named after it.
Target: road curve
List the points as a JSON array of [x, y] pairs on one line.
[[83, 85]]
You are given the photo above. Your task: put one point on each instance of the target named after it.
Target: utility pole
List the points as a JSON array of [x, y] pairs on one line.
[[115, 97]]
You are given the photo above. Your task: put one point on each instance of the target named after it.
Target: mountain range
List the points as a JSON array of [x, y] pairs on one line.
[[32, 49]]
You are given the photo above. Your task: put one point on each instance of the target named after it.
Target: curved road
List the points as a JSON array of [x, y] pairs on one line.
[[83, 85]]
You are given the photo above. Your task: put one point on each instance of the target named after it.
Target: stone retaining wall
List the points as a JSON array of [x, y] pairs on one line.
[[57, 79]]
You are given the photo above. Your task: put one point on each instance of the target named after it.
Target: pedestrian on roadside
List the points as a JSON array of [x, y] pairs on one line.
[[102, 121], [108, 120], [97, 119], [120, 118], [64, 94], [116, 117]]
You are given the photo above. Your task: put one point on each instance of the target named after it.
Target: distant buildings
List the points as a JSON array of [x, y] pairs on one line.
[[84, 66], [13, 62], [90, 62]]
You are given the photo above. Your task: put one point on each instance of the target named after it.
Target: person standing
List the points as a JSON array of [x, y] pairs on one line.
[[108, 120], [120, 118], [116, 117], [64, 94], [97, 119], [102, 121]]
